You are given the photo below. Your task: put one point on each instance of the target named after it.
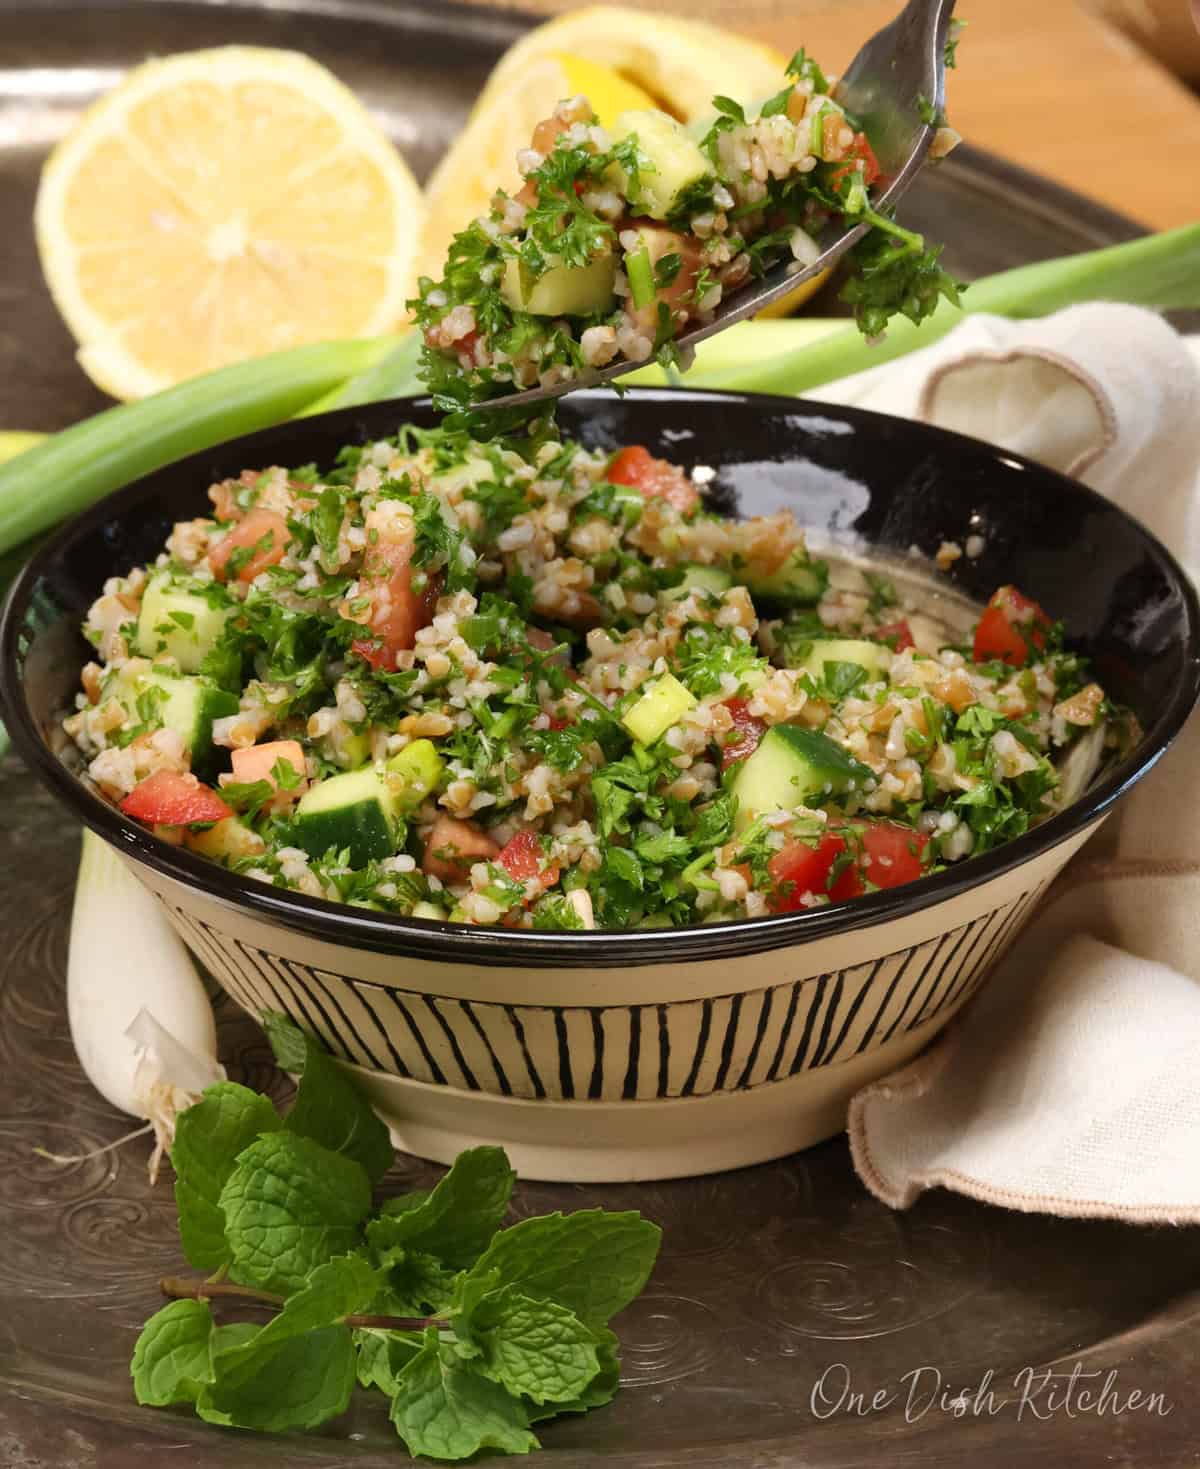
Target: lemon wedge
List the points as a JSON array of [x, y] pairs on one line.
[[482, 158], [218, 205], [681, 63]]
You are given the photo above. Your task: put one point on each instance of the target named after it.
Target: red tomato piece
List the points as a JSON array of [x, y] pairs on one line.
[[257, 763], [653, 478], [898, 633], [261, 532], [521, 858], [891, 854], [1010, 628], [452, 846], [173, 798], [882, 853], [397, 612], [799, 870], [743, 739], [859, 149]]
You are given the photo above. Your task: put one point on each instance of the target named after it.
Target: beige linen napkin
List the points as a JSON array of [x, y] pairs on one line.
[[1071, 1086]]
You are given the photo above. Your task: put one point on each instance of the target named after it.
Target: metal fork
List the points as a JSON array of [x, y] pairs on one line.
[[900, 68]]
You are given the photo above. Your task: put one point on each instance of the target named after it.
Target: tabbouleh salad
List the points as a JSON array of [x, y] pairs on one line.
[[528, 683], [620, 239]]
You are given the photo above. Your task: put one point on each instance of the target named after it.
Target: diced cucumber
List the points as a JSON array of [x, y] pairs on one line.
[[178, 623], [187, 704], [429, 910], [228, 840], [874, 657], [345, 747], [414, 773], [678, 165], [356, 810], [561, 290], [799, 581], [795, 767], [462, 476], [663, 704], [700, 579]]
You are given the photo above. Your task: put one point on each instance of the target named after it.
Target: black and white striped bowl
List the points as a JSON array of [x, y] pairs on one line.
[[649, 1054]]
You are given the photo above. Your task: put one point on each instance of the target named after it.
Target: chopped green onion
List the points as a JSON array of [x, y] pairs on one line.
[[394, 375], [75, 468], [641, 277]]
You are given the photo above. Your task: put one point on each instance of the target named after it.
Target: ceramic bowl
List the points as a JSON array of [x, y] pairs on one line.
[[652, 1054]]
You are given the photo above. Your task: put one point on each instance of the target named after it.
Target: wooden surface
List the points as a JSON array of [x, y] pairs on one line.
[[1042, 82]]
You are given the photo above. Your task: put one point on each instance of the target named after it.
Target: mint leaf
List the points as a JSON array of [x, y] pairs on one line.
[[209, 1135], [602, 1388], [455, 1221], [417, 1284], [306, 1381], [591, 1262], [290, 1205], [334, 1290], [538, 1349], [329, 1108], [170, 1361], [444, 1409], [383, 1355]]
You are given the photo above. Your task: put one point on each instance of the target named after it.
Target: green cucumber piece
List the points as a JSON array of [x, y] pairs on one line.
[[414, 774], [187, 704], [796, 767], [800, 581], [177, 623], [356, 810], [347, 748], [874, 657], [429, 910], [663, 704], [700, 579], [678, 165], [560, 290]]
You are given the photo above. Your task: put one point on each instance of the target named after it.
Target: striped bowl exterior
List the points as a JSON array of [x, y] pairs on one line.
[[607, 1074], [632, 1052]]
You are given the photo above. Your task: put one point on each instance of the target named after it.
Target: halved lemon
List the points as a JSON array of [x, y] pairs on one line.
[[482, 158], [681, 63], [218, 205]]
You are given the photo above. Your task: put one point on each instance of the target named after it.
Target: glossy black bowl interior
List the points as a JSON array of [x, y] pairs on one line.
[[893, 484]]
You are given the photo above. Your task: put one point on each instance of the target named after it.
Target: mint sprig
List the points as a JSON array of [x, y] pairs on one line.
[[474, 1332]]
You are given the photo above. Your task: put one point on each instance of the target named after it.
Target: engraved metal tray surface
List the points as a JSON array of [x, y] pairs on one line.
[[792, 1320]]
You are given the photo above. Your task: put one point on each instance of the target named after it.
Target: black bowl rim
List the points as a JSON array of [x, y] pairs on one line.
[[453, 943]]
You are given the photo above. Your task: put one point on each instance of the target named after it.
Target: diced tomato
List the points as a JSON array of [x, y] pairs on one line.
[[859, 149], [171, 798], [556, 723], [891, 854], [678, 293], [521, 858], [452, 846], [397, 612], [898, 633], [882, 853], [653, 478], [799, 871], [1010, 628], [262, 533], [257, 763], [743, 739]]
